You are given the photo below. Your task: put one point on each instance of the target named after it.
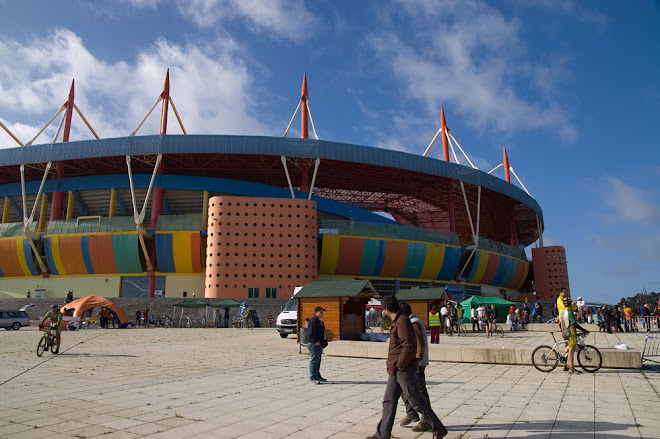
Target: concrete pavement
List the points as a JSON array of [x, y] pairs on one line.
[[217, 383]]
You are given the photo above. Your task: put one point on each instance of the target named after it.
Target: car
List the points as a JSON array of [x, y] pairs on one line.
[[288, 318], [14, 319]]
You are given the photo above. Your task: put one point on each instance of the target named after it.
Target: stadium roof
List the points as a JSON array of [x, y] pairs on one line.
[[410, 187]]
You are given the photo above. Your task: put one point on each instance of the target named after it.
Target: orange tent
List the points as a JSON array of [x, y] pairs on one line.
[[81, 305]]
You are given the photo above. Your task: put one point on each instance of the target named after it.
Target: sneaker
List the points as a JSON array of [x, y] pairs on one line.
[[422, 426], [323, 380], [574, 371], [408, 419], [315, 381], [566, 368]]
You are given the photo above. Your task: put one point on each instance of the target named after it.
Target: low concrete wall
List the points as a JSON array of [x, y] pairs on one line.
[[519, 355]]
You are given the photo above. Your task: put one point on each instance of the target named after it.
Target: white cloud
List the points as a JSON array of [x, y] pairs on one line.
[[467, 56], [630, 204], [211, 86], [151, 4], [286, 19]]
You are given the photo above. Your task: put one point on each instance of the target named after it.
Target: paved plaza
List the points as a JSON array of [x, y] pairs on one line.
[[229, 383]]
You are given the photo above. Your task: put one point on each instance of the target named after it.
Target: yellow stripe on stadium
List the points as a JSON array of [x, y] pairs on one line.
[[181, 252], [21, 257], [435, 257], [55, 248], [329, 255]]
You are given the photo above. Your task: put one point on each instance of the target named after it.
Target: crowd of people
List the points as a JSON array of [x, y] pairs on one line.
[[624, 319]]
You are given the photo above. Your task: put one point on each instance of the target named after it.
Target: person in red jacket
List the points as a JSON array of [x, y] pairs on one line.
[[434, 324]]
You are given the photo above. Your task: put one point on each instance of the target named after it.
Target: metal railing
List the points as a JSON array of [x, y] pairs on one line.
[[651, 350]]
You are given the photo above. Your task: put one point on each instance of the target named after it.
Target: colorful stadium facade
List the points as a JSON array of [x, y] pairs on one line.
[[248, 216]]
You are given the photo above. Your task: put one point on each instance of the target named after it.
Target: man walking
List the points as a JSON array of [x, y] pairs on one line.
[[316, 341], [402, 370], [422, 356]]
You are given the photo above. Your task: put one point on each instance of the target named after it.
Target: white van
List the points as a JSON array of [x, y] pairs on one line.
[[287, 320]]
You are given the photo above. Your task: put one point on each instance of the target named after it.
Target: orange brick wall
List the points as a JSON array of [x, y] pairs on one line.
[[260, 243], [550, 271]]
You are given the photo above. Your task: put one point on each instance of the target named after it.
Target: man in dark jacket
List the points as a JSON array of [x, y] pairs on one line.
[[607, 318], [402, 369], [316, 341]]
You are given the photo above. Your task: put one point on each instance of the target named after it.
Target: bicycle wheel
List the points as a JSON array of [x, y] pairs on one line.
[[499, 331], [42, 346], [590, 358], [449, 330], [55, 346], [250, 324], [545, 359], [462, 331]]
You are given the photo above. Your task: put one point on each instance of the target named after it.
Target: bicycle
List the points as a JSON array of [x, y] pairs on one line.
[[48, 340], [243, 322], [496, 329], [461, 330], [546, 358]]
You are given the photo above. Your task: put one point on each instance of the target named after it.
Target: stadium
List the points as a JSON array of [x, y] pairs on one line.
[[254, 217]]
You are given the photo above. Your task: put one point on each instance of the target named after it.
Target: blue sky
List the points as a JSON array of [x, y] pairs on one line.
[[571, 88]]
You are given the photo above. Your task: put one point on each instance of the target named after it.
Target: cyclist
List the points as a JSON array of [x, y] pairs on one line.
[[55, 317], [569, 330], [243, 313], [459, 313], [453, 316]]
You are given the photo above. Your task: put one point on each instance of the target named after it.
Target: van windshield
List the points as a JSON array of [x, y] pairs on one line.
[[291, 305]]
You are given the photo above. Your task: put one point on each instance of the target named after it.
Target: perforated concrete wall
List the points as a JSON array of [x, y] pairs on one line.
[[260, 246], [550, 271]]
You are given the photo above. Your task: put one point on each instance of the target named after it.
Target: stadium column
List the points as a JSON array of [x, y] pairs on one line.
[[156, 210], [205, 211], [512, 218], [304, 133], [6, 211], [58, 196], [449, 187], [43, 213], [113, 202], [158, 192], [70, 203]]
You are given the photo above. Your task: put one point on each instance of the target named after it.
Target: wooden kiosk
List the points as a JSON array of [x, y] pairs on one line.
[[344, 303], [422, 299]]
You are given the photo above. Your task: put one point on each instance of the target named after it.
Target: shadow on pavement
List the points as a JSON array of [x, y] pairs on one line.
[[65, 354], [542, 429]]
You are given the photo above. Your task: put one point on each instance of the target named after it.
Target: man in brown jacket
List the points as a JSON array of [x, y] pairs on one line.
[[402, 370]]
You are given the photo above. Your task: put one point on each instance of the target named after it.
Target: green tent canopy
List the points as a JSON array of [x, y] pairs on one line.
[[501, 305], [227, 303], [194, 303]]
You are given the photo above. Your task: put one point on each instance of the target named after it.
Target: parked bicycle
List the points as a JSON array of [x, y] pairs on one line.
[[48, 341], [546, 358]]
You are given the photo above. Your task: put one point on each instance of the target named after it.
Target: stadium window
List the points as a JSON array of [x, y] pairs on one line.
[[271, 293], [253, 293]]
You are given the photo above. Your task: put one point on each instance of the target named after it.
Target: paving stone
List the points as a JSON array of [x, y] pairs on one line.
[[247, 384]]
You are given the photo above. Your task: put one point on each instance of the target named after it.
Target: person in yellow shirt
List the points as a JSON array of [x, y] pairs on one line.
[[560, 304], [628, 313]]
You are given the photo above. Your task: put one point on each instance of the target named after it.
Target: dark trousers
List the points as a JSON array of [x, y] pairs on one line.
[[314, 361], [475, 322], [405, 382], [421, 378]]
